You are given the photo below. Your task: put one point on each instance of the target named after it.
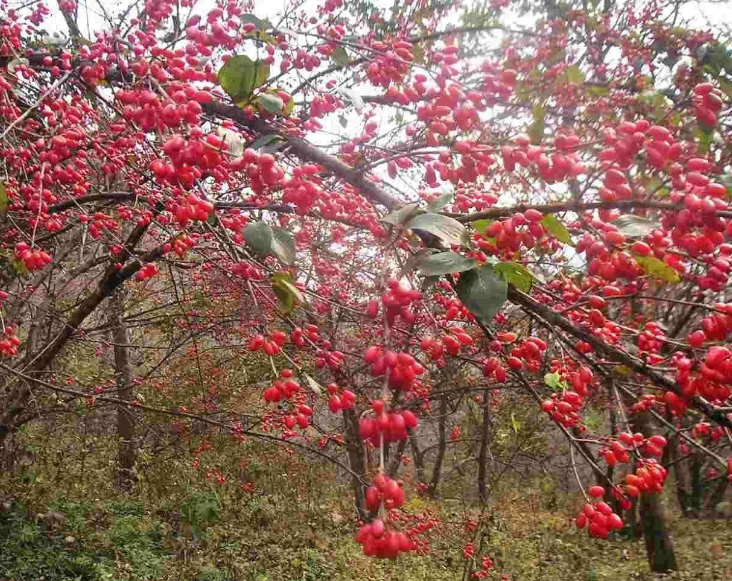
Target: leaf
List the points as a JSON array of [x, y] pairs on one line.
[[283, 284], [705, 135], [658, 268], [414, 260], [634, 226], [234, 141], [271, 140], [4, 202], [516, 274], [240, 75], [340, 56], [271, 103], [556, 229], [401, 215], [481, 225], [353, 97], [283, 245], [553, 380], [447, 229], [314, 385], [259, 237], [439, 203], [482, 291], [515, 424], [536, 129], [445, 263], [575, 75], [261, 24]]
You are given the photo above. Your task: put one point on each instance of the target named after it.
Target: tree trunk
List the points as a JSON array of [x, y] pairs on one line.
[[125, 473], [659, 545], [441, 447], [357, 461], [485, 433], [683, 478], [418, 458]]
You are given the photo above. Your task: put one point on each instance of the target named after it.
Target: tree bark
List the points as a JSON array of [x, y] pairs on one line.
[[357, 461], [125, 470], [441, 447], [485, 433], [659, 545]]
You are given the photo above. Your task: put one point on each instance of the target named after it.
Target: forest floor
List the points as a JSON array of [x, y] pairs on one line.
[[210, 538]]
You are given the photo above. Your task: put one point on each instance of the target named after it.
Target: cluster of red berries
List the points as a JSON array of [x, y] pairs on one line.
[[403, 369], [396, 302], [181, 245], [303, 189], [384, 489], [10, 343], [302, 418], [715, 327], [648, 478], [344, 400], [192, 208], [600, 516], [452, 342], [333, 359], [381, 543], [392, 426], [147, 271], [271, 346], [281, 389], [98, 223], [708, 101], [32, 258]]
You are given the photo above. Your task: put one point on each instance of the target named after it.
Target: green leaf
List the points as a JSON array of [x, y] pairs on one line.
[[271, 140], [283, 245], [260, 23], [553, 380], [445, 263], [658, 268], [259, 237], [596, 92], [4, 202], [482, 291], [575, 75], [556, 229], [271, 103], [439, 203], [447, 229], [516, 274], [240, 75], [340, 56], [283, 284], [480, 226], [536, 129], [401, 215], [705, 135], [634, 226]]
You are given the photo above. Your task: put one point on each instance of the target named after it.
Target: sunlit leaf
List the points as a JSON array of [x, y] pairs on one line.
[[634, 226], [445, 228], [555, 227], [658, 268], [515, 274]]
